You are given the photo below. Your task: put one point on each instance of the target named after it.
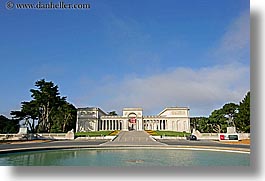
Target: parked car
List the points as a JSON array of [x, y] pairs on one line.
[[192, 137]]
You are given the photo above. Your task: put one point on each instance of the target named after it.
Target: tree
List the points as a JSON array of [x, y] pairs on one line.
[[51, 111], [242, 119], [112, 113], [217, 121], [229, 111], [48, 99], [222, 118], [203, 125], [200, 123], [65, 118], [8, 125], [29, 113]]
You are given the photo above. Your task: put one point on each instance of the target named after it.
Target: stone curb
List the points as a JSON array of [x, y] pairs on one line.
[[113, 147]]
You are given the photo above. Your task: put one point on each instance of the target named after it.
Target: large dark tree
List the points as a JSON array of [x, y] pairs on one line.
[[48, 100], [51, 111]]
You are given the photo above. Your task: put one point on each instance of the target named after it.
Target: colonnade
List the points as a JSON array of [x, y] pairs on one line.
[[110, 125], [155, 125]]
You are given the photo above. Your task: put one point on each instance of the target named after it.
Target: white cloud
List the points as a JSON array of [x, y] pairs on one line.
[[202, 90]]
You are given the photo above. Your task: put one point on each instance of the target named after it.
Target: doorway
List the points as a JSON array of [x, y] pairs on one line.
[[132, 124]]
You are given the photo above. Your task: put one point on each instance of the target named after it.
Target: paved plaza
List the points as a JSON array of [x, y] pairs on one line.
[[133, 138]]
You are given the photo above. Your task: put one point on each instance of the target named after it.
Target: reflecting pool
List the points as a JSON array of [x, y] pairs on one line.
[[125, 158]]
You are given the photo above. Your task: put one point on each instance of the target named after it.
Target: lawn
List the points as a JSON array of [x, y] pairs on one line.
[[167, 133], [96, 133]]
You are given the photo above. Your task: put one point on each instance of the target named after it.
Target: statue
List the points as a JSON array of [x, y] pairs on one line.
[[231, 125]]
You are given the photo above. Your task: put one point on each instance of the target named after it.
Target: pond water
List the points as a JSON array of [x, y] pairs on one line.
[[125, 158]]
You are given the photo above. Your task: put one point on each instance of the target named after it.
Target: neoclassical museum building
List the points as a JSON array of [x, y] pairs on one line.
[[170, 119]]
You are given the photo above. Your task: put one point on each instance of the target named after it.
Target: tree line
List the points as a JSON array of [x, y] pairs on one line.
[[8, 125], [231, 114]]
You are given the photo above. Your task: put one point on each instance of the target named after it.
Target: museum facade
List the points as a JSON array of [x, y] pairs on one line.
[[170, 119]]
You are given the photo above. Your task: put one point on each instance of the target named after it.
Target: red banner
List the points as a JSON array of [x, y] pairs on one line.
[[133, 120]]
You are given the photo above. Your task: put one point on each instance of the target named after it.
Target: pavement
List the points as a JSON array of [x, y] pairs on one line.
[[124, 139], [204, 143], [5, 148], [133, 138]]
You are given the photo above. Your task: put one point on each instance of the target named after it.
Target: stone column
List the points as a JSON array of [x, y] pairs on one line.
[[125, 125], [107, 124], [148, 125], [96, 125], [99, 123], [140, 124]]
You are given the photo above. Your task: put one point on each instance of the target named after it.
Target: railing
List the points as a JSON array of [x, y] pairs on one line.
[[52, 136], [4, 137]]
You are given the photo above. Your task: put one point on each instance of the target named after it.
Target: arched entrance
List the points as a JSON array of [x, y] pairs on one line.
[[132, 122]]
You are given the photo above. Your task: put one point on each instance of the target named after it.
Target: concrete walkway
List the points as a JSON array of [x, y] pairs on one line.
[[133, 138]]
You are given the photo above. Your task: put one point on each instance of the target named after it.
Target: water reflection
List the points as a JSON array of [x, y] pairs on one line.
[[120, 158]]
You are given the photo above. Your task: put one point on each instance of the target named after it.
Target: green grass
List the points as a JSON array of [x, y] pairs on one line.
[[168, 133], [93, 133]]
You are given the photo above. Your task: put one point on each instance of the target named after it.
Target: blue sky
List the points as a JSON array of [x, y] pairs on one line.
[[122, 53]]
